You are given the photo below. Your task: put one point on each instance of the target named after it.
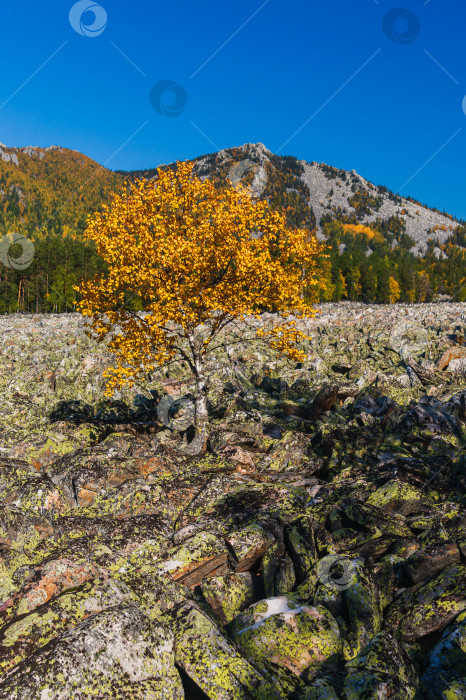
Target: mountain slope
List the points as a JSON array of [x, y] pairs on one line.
[[56, 188], [382, 248], [317, 192], [50, 188]]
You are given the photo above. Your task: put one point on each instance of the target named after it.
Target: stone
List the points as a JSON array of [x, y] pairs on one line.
[[212, 661], [119, 651], [445, 675], [429, 606], [248, 546], [301, 638], [383, 669], [397, 497], [228, 595], [429, 561], [454, 353]]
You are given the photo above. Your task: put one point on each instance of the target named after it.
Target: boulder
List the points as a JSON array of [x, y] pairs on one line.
[[119, 651], [302, 638]]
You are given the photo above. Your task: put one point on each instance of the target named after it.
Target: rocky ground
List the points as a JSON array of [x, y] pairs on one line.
[[316, 551]]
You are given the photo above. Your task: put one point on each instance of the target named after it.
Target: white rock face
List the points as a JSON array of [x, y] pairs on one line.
[[32, 151], [328, 193], [331, 189], [9, 157]]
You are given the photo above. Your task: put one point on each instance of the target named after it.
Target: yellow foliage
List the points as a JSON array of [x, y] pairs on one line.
[[363, 230], [197, 260], [394, 290]]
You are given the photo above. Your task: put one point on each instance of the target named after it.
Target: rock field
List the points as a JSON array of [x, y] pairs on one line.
[[317, 550]]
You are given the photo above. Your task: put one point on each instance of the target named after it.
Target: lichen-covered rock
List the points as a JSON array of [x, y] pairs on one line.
[[430, 560], [445, 676], [248, 545], [397, 497], [299, 637], [300, 543], [203, 555], [364, 606], [212, 662], [383, 669], [47, 582], [320, 689], [278, 574], [423, 609], [33, 630], [228, 595], [119, 652]]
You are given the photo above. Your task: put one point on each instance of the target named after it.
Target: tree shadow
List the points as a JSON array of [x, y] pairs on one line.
[[143, 412]]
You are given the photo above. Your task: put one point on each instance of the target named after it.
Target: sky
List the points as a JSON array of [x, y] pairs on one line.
[[377, 86]]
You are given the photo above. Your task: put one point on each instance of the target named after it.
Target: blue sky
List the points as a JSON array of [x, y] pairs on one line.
[[324, 81]]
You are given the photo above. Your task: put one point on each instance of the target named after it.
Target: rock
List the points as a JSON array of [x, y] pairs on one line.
[[301, 638], [364, 605], [278, 574], [383, 669], [323, 401], [291, 451], [428, 607], [20, 639], [320, 689], [228, 595], [445, 675], [198, 557], [47, 581], [454, 353], [397, 497], [429, 561], [274, 386], [300, 544], [341, 368], [116, 652], [248, 546], [212, 662]]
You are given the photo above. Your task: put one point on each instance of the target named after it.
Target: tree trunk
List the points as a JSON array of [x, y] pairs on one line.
[[199, 444]]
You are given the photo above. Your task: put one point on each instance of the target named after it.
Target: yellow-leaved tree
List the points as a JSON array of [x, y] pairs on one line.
[[200, 261], [394, 290]]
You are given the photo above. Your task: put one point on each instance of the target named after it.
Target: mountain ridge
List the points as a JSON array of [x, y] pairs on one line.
[[381, 247], [332, 192], [336, 192]]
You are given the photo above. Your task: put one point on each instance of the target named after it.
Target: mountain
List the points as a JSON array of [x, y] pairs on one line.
[[51, 188], [56, 188], [317, 192], [382, 247]]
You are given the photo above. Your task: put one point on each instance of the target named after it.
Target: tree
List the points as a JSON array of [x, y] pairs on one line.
[[394, 293], [423, 287], [197, 260], [383, 287], [369, 284]]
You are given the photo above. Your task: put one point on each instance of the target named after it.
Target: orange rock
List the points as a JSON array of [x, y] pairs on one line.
[[454, 353], [147, 466]]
